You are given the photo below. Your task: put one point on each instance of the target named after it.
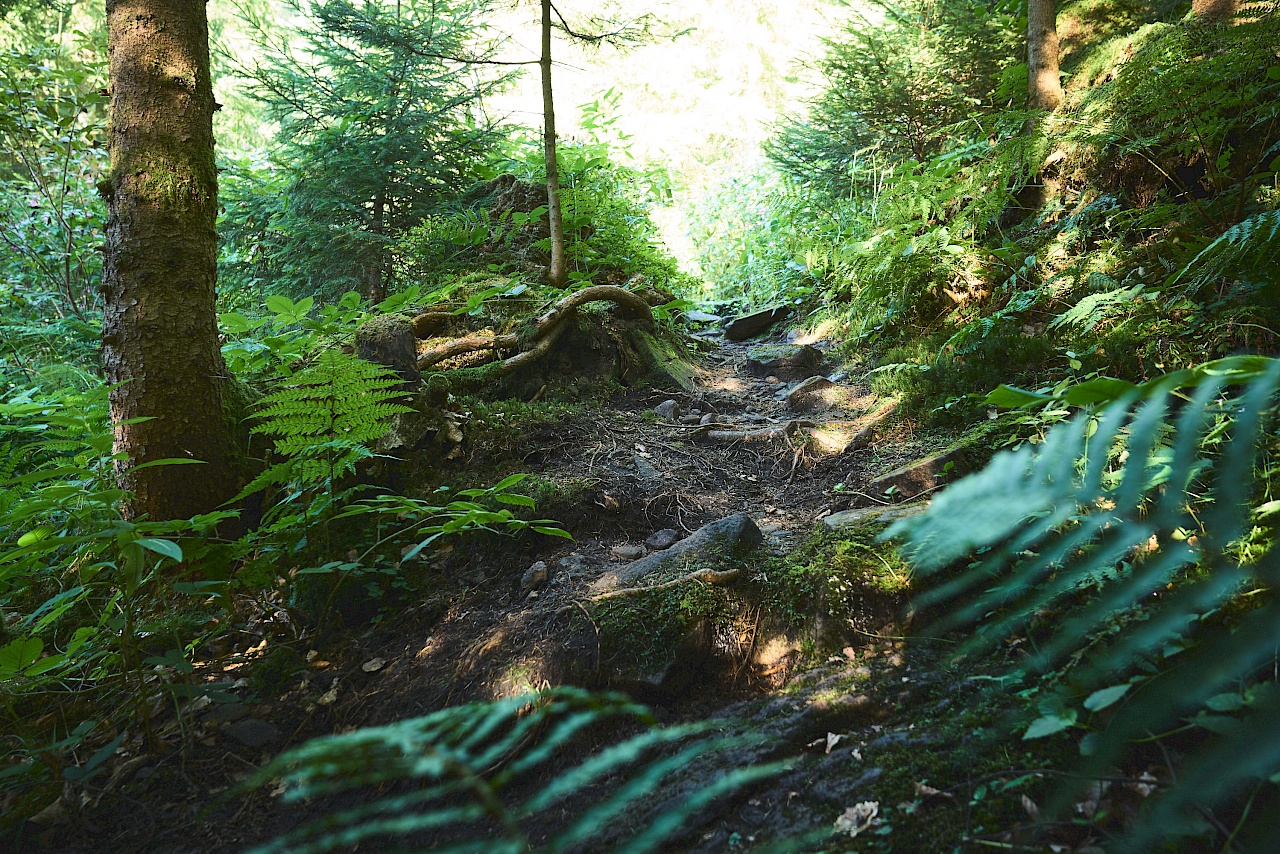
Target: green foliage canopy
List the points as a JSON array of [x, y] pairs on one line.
[[379, 108]]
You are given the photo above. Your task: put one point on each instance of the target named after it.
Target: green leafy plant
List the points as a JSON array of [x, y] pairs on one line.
[[472, 777], [51, 118], [1145, 529], [96, 596]]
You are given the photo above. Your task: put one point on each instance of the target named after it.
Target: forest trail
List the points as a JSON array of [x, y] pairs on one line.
[[642, 474], [658, 466]]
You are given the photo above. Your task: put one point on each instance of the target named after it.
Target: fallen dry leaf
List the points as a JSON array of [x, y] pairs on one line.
[[373, 665], [926, 791], [858, 818], [329, 696]]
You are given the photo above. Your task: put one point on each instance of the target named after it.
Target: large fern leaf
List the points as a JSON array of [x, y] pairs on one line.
[[1135, 526], [479, 777], [328, 413]]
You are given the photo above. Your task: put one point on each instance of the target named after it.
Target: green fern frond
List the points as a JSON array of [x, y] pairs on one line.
[[331, 409], [471, 768], [1140, 516], [1094, 308], [1249, 248]]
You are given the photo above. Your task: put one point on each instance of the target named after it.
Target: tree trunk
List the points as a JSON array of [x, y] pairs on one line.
[[557, 273], [160, 348], [1044, 83], [374, 275]]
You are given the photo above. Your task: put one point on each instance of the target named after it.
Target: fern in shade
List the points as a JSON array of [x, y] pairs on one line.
[[1145, 528], [1250, 248], [480, 777]]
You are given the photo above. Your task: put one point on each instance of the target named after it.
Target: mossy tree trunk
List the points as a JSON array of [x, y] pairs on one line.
[[1044, 81], [557, 272], [160, 348]]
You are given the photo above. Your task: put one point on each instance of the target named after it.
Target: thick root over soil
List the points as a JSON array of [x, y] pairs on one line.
[[546, 329]]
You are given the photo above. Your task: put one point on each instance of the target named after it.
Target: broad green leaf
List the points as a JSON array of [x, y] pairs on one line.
[[1011, 397], [161, 547], [1050, 724], [1104, 697], [20, 654]]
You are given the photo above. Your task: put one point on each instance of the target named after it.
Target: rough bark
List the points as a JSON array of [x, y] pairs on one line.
[[557, 272], [160, 349], [1044, 82]]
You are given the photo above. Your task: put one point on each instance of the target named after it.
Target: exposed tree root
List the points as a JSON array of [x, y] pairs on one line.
[[863, 437], [720, 578], [425, 325], [546, 329], [462, 346], [719, 433]]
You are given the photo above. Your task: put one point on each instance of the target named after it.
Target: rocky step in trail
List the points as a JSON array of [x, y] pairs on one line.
[[724, 569]]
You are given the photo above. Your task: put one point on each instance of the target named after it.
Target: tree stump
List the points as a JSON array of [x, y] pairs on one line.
[[389, 340]]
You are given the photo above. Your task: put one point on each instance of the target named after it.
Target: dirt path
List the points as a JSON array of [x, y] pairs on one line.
[[735, 444], [647, 473]]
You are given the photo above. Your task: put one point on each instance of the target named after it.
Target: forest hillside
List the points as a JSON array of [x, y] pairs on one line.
[[690, 425]]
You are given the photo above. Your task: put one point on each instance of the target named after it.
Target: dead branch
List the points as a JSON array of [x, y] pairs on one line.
[[720, 578]]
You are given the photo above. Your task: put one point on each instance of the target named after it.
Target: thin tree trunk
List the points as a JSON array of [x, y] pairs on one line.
[[557, 273], [1044, 82], [160, 350], [375, 286]]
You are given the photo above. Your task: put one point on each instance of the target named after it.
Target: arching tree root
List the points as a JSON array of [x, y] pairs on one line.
[[545, 330]]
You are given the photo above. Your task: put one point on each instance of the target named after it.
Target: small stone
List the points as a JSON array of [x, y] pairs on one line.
[[627, 552], [709, 418], [772, 380], [373, 665], [696, 316], [668, 409], [535, 576], [695, 412], [690, 419], [571, 563], [252, 732], [664, 539]]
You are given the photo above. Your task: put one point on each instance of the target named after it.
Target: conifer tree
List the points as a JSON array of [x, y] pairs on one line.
[[1044, 79], [160, 350], [380, 113]]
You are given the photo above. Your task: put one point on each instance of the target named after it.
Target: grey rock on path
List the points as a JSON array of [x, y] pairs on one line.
[[735, 532], [751, 325]]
